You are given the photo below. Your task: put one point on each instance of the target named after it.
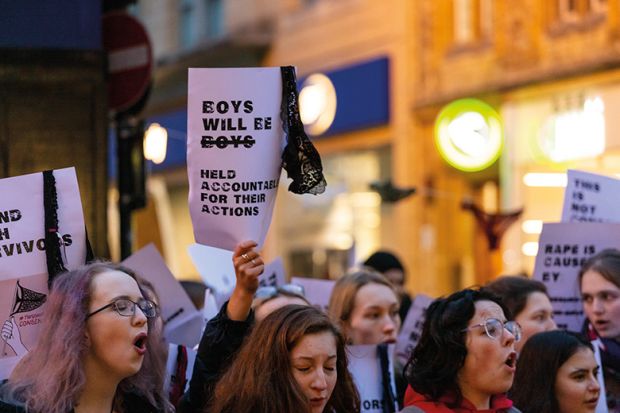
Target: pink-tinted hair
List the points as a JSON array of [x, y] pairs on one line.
[[50, 378]]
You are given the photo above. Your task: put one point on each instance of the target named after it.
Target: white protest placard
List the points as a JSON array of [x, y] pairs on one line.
[[365, 367], [215, 267], [273, 276], [562, 250], [171, 365], [601, 406], [591, 198], [183, 323], [317, 291], [412, 327], [23, 265], [234, 147], [210, 308]]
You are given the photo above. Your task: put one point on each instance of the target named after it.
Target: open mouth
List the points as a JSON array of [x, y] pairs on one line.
[[511, 361], [139, 343], [601, 324]]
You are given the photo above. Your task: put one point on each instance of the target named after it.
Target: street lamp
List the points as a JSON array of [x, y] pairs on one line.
[[155, 143]]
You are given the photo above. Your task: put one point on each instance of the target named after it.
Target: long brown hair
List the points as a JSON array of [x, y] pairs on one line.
[[50, 378], [261, 379]]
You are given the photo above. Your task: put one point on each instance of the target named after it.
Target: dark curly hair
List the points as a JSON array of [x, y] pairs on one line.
[[434, 364]]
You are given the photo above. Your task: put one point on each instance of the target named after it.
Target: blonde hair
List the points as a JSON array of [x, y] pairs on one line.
[[342, 300]]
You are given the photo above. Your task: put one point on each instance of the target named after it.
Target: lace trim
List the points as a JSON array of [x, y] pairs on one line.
[[300, 158], [53, 254]]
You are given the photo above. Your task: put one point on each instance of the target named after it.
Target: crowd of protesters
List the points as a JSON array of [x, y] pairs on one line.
[[489, 349]]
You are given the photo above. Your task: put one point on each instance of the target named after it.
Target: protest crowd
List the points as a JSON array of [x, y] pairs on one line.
[[114, 339]]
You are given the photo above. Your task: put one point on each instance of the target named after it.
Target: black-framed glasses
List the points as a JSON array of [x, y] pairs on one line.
[[127, 307], [494, 328], [272, 291]]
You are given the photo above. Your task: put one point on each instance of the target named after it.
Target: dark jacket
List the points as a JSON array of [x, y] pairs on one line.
[[220, 341], [132, 404], [610, 360]]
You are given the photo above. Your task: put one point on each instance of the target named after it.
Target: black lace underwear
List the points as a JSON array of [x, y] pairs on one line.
[[300, 158]]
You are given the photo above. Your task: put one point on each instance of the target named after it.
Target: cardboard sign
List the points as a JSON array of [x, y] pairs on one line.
[[563, 248], [365, 367], [23, 266], [412, 327], [591, 198], [234, 147], [317, 291], [183, 323]]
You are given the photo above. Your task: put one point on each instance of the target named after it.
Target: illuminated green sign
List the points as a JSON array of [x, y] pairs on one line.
[[468, 134]]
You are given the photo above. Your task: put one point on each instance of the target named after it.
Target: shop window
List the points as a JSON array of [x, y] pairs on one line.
[[597, 6], [187, 26], [576, 14], [215, 18], [320, 263], [471, 21]]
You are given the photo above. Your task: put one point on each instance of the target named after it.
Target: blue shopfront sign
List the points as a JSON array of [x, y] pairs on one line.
[[362, 93]]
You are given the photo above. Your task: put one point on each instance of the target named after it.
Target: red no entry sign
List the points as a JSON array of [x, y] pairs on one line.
[[130, 59]]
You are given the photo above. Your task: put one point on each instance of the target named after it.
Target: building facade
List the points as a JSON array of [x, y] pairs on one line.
[[544, 67]]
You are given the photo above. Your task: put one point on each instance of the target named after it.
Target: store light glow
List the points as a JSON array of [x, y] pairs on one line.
[[468, 134], [317, 103], [541, 179], [155, 143], [575, 134], [529, 249], [532, 226]]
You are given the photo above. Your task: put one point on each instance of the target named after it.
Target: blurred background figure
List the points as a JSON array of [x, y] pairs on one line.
[[365, 306], [270, 298], [527, 303], [390, 266], [556, 373], [599, 280]]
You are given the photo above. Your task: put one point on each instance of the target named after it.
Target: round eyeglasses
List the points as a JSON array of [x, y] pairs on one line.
[[127, 308], [495, 328]]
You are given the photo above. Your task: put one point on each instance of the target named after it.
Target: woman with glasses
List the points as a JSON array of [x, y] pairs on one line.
[[91, 354], [294, 361], [225, 333], [556, 373], [599, 281], [527, 303], [465, 359]]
